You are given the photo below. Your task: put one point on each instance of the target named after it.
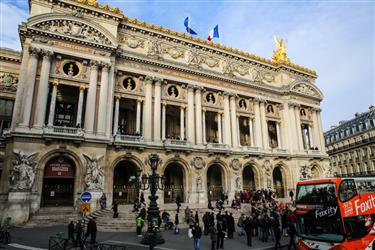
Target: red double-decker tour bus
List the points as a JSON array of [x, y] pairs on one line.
[[336, 213]]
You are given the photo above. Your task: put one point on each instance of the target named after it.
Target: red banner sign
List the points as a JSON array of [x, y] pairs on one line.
[[59, 168]]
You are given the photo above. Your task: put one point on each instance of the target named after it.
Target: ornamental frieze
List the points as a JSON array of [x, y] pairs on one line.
[[154, 49], [8, 82], [133, 41], [305, 89], [74, 29], [174, 52], [211, 62]]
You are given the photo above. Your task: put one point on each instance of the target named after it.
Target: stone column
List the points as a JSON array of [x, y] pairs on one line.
[[182, 122], [227, 128], [80, 106], [293, 128], [190, 115], [157, 109], [29, 87], [42, 96], [198, 115], [148, 109], [117, 111], [322, 144], [17, 117], [110, 95], [91, 98], [310, 137], [278, 135], [234, 125], [258, 125], [204, 125], [315, 128], [262, 110], [220, 138], [103, 100], [163, 120], [143, 117], [285, 127], [298, 128], [251, 133], [52, 104], [138, 117]]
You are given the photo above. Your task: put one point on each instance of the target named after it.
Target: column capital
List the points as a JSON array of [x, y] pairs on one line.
[[34, 51], [158, 81], [94, 64], [105, 67], [164, 103], [233, 96], [149, 79], [190, 87], [55, 83], [220, 113], [182, 107], [316, 109], [204, 110], [46, 53], [198, 89], [238, 115], [117, 97], [139, 100], [82, 88]]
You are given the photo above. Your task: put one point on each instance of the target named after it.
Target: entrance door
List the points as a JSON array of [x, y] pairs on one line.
[[248, 178], [58, 182], [214, 182], [174, 183], [278, 182], [124, 177]]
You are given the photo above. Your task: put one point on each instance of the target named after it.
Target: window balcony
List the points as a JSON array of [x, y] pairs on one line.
[[176, 144], [217, 147], [129, 140], [250, 149], [63, 132]]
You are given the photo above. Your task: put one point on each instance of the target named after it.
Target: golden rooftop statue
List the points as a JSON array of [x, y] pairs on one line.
[[279, 55]]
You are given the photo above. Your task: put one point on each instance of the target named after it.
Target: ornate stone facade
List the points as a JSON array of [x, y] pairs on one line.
[[98, 92]]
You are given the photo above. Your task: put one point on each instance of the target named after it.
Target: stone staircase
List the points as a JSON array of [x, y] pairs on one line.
[[52, 216], [126, 220]]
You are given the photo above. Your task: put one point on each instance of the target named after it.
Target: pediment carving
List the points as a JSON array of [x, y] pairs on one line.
[[73, 27], [306, 88]]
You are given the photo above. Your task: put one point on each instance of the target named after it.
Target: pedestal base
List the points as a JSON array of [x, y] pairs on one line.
[[18, 207], [147, 239]]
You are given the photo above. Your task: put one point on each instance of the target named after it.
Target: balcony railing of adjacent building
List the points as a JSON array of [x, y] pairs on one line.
[[63, 132], [357, 174]]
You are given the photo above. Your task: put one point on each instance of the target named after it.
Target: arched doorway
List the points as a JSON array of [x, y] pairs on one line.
[[248, 179], [124, 177], [58, 182], [278, 184], [174, 183], [214, 182]]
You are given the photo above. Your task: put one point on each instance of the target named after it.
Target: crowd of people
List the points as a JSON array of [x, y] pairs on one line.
[[77, 234]]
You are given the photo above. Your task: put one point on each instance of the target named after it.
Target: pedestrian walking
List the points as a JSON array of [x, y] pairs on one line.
[[291, 194], [240, 225], [79, 234], [177, 224], [71, 231], [115, 210], [178, 203], [230, 226], [139, 221], [197, 234], [248, 226], [206, 223], [292, 234], [103, 201], [91, 231], [187, 214], [142, 199], [277, 233], [213, 236], [220, 235], [196, 217]]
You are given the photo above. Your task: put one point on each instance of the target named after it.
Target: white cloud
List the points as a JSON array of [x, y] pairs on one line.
[[10, 17]]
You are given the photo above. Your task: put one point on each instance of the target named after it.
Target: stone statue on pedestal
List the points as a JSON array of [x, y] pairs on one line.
[[22, 175], [94, 178]]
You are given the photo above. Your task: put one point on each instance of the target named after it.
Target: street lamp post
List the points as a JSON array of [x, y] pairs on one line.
[[152, 182]]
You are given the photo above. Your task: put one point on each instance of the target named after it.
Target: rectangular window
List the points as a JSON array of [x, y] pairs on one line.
[[6, 111]]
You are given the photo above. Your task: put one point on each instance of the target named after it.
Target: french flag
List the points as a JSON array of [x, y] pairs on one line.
[[213, 33]]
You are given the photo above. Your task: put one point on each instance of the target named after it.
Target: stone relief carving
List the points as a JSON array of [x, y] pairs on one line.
[[267, 168], [210, 62], [305, 89], [235, 164], [199, 182], [154, 49], [174, 52], [198, 162], [94, 177], [22, 175], [134, 42], [242, 69], [74, 29], [329, 171], [238, 183], [254, 74], [227, 67], [8, 82], [194, 59], [305, 172]]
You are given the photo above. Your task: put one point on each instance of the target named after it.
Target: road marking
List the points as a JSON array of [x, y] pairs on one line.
[[145, 246], [25, 247]]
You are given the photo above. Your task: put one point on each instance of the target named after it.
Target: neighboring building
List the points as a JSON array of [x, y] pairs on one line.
[[98, 92], [351, 145]]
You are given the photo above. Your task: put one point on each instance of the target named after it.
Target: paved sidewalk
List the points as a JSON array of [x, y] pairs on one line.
[[38, 238]]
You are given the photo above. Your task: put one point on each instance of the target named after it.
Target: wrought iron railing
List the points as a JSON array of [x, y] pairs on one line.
[[171, 192], [214, 192], [123, 194]]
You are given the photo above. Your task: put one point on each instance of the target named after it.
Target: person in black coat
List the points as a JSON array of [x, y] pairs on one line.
[[277, 232], [178, 203], [230, 225], [248, 227], [292, 234], [213, 236], [79, 232], [71, 231], [196, 217], [91, 230], [220, 235]]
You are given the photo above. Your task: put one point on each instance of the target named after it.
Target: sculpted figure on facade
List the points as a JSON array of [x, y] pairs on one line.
[[8, 82], [94, 177], [154, 49], [305, 172], [22, 175], [194, 59], [305, 89], [238, 182], [198, 162], [199, 182], [227, 67], [235, 164], [268, 169]]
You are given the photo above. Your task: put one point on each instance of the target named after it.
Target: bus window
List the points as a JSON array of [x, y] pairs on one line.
[[347, 190], [365, 185], [316, 193], [356, 227]]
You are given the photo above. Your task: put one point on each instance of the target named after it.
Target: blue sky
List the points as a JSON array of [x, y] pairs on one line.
[[335, 38]]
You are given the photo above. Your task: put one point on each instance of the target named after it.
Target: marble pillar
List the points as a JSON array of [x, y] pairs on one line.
[[163, 120], [198, 115], [233, 115], [157, 110], [117, 111], [182, 122], [148, 109], [258, 125], [80, 106], [91, 98], [52, 105], [227, 123], [219, 130], [102, 109], [138, 117], [190, 115]]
